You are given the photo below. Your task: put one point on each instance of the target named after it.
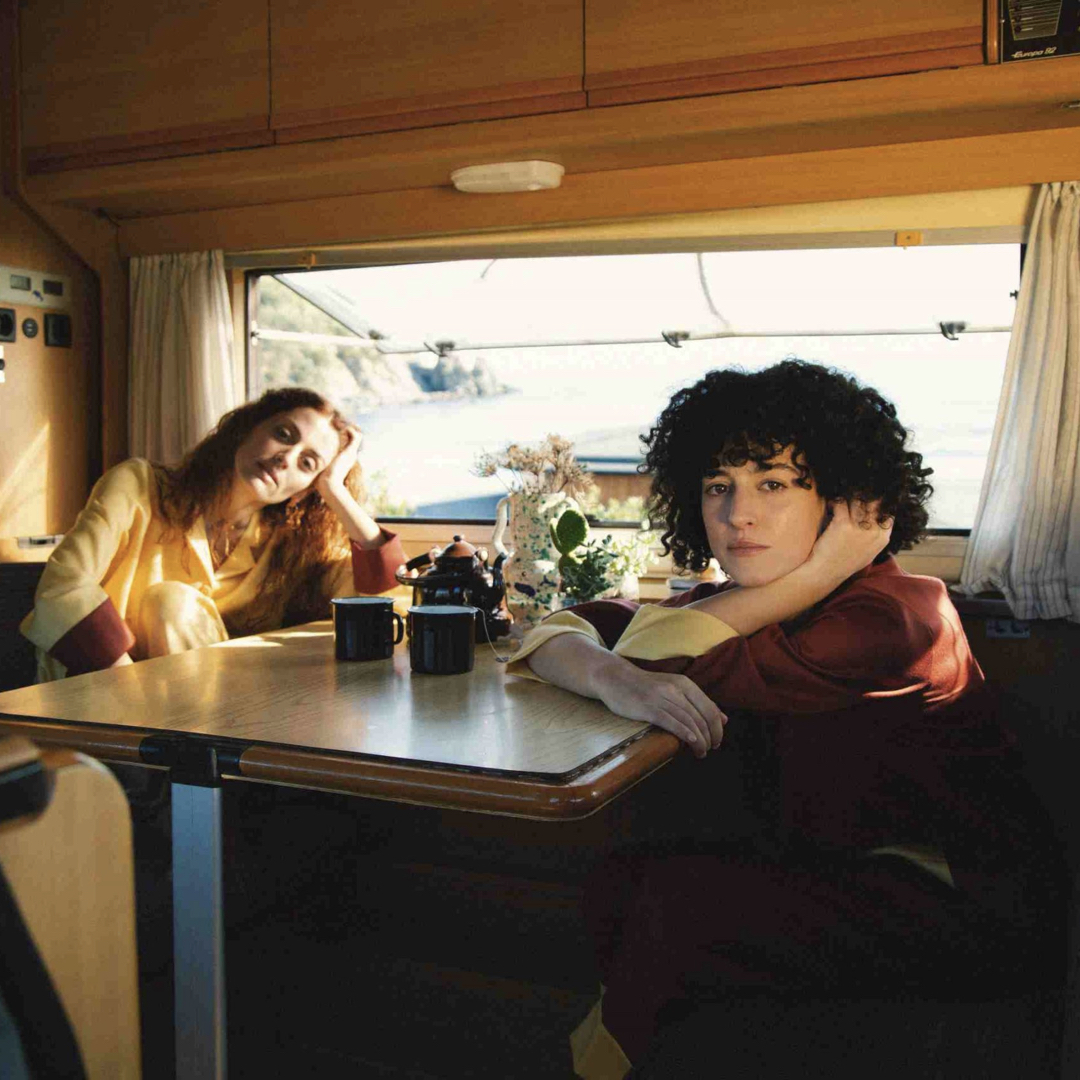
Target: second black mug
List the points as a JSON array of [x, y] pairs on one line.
[[441, 638]]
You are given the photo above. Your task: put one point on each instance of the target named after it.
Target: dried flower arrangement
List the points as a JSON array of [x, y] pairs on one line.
[[549, 467]]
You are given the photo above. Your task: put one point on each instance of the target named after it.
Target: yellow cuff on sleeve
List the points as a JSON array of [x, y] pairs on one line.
[[658, 633], [931, 859], [595, 1053], [562, 622]]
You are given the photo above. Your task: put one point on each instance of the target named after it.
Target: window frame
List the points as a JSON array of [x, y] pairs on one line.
[[939, 554]]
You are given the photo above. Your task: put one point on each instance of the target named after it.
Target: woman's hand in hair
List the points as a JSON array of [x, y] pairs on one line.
[[853, 539], [359, 525], [332, 478]]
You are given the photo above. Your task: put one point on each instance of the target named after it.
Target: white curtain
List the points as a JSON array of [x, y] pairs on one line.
[[1026, 537], [181, 363]]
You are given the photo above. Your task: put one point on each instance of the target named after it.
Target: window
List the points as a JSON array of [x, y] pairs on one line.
[[438, 362]]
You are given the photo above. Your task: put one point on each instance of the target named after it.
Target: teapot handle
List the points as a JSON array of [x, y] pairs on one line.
[[502, 519]]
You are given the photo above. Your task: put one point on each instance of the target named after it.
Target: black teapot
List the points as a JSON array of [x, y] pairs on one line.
[[459, 574]]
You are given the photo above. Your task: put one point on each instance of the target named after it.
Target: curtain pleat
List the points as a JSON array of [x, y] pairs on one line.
[[181, 360], [1026, 538]]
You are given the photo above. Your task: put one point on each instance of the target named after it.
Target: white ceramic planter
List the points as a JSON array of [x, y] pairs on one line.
[[532, 580]]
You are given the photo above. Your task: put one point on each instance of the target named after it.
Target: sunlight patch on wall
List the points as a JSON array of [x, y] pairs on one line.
[[24, 490]]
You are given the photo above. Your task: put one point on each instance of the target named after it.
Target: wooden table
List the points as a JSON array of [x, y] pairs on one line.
[[277, 708]]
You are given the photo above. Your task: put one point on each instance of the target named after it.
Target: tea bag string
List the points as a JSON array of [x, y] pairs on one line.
[[487, 634]]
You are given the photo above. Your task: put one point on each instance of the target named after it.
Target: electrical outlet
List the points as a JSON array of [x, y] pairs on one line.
[[7, 324], [1007, 628]]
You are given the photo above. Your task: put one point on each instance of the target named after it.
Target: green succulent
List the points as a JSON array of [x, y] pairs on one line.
[[568, 533]]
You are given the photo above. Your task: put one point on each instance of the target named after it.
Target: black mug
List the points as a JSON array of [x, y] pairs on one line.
[[364, 627], [441, 638]]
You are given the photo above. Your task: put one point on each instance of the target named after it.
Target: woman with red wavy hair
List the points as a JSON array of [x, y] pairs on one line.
[[255, 529]]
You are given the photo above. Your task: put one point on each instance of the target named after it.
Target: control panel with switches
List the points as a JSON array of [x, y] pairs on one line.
[[36, 287]]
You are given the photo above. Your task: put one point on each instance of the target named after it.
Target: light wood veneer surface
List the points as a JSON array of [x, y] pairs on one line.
[[72, 873], [286, 689]]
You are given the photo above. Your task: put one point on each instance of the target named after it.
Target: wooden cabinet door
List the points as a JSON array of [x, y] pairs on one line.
[[638, 50], [133, 78], [342, 69]]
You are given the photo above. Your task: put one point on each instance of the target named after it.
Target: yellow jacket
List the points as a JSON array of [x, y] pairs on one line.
[[86, 609]]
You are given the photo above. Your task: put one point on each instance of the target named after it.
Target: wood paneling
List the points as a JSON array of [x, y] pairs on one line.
[[333, 64], [108, 77], [654, 86], [644, 42], [903, 108], [144, 146], [437, 116], [864, 172], [49, 399]]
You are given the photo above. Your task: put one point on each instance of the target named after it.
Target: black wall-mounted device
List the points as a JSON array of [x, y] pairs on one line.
[[1037, 29], [58, 330]]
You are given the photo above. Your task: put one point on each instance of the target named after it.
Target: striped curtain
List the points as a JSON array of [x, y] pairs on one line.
[[1026, 537], [181, 376]]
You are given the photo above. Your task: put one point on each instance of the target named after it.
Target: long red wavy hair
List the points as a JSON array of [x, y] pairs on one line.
[[307, 539]]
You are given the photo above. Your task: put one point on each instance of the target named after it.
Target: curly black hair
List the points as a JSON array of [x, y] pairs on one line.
[[845, 436]]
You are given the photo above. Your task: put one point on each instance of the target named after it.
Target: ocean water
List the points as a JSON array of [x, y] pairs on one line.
[[603, 398]]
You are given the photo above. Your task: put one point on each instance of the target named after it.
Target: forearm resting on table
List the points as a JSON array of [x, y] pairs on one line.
[[748, 609], [670, 701], [577, 664]]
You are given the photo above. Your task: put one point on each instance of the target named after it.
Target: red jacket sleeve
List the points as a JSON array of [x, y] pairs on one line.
[[860, 646], [373, 568], [95, 642]]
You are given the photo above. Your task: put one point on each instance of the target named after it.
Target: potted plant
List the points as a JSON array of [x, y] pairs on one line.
[[591, 569]]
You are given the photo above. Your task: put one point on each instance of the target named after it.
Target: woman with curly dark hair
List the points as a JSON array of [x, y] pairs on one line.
[[895, 849], [255, 529]]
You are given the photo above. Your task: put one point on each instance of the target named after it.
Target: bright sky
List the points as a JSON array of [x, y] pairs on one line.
[[626, 296]]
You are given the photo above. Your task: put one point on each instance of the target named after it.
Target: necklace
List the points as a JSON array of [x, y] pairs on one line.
[[223, 538]]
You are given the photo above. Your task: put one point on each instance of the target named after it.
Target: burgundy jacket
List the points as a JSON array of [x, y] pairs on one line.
[[877, 728]]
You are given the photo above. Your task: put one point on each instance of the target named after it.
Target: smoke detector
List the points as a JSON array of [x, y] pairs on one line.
[[503, 176]]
